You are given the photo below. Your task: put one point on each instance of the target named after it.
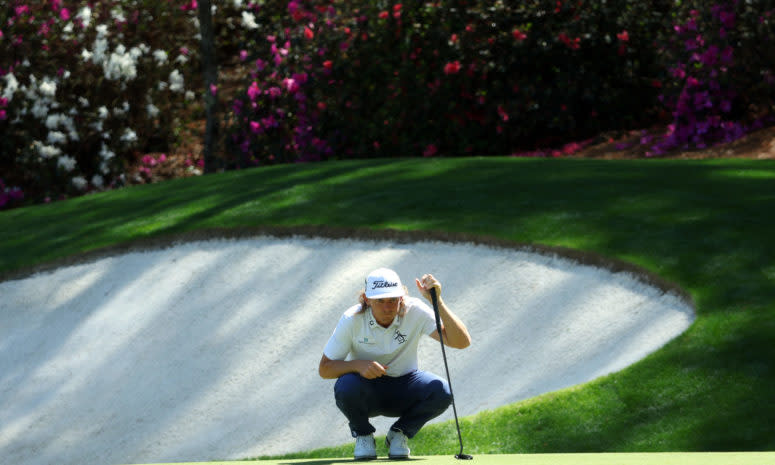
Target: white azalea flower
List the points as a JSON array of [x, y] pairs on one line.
[[176, 81], [106, 153], [80, 182], [160, 56], [48, 88], [120, 65], [40, 109], [85, 16], [249, 20], [52, 121], [11, 86], [118, 15], [57, 137], [66, 163], [136, 52], [100, 50], [47, 151], [129, 136], [97, 181], [153, 110]]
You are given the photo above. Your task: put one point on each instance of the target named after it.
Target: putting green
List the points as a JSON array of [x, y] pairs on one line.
[[658, 458]]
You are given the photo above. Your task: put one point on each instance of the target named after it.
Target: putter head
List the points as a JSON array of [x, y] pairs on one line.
[[464, 457]]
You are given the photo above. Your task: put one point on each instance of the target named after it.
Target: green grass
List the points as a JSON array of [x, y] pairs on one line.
[[693, 458], [706, 225]]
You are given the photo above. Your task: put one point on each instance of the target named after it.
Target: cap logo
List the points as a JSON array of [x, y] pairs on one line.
[[381, 284]]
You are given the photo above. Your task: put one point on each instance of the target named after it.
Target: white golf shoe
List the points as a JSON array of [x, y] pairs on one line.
[[365, 448], [398, 445]]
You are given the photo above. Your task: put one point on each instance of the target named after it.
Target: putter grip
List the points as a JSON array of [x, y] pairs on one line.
[[435, 301]]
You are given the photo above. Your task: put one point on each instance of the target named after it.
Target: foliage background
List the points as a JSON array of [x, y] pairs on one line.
[[311, 80]]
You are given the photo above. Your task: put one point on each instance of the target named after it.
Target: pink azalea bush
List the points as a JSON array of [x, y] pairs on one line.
[[362, 79], [721, 82], [475, 77]]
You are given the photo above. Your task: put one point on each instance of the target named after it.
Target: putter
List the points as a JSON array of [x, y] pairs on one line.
[[460, 455]]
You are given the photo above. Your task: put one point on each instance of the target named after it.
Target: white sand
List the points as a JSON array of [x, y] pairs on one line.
[[209, 350]]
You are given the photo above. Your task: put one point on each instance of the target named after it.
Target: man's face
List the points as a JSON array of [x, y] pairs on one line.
[[385, 310]]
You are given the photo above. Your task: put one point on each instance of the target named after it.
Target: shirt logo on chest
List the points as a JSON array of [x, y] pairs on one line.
[[401, 338]]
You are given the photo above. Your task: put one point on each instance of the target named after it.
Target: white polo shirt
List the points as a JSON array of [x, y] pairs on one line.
[[358, 336]]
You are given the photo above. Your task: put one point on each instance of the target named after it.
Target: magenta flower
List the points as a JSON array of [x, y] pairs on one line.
[[291, 85], [254, 91], [727, 19], [678, 72], [300, 78], [274, 92], [727, 55], [709, 58], [452, 68], [502, 113]]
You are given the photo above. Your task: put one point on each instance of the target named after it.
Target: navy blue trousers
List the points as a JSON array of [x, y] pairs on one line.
[[414, 398]]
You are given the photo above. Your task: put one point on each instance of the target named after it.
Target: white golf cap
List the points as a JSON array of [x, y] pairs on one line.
[[383, 283]]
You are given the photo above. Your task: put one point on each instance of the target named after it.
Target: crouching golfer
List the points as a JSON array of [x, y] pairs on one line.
[[373, 353]]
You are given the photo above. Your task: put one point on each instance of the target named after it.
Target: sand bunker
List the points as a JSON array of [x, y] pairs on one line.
[[209, 350]]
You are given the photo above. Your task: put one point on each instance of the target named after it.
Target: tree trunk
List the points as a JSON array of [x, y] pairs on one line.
[[210, 74]]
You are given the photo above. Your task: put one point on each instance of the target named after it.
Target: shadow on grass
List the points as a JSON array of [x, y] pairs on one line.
[[347, 460]]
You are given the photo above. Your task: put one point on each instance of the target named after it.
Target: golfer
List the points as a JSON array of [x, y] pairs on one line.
[[373, 353]]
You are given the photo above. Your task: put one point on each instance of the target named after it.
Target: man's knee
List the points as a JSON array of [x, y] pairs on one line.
[[348, 387], [440, 394]]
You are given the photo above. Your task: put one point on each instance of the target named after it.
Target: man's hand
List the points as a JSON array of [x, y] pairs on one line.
[[425, 284], [370, 369]]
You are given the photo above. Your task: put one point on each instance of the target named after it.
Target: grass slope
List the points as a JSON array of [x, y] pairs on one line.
[[706, 225]]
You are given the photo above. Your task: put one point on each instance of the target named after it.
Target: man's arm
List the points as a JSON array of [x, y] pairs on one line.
[[454, 331], [331, 369]]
